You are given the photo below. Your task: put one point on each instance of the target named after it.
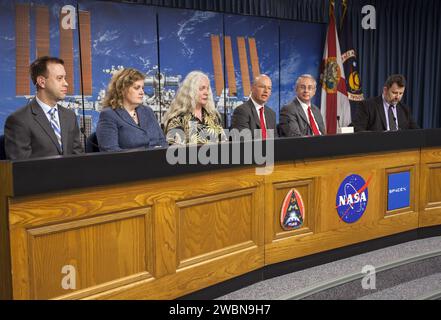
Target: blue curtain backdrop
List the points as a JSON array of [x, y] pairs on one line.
[[307, 10], [407, 40]]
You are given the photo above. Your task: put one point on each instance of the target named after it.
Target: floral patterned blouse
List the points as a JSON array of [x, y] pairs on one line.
[[188, 129]]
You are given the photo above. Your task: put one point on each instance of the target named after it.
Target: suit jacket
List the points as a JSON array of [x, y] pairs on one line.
[[295, 123], [370, 116], [28, 133], [117, 131], [245, 117]]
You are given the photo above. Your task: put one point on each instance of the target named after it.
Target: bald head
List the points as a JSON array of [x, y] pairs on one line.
[[261, 89]]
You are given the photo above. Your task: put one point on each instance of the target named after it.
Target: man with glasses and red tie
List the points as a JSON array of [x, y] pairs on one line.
[[254, 115], [300, 117], [386, 112], [43, 128]]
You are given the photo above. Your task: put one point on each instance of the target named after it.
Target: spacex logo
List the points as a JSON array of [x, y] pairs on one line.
[[397, 190], [352, 198]]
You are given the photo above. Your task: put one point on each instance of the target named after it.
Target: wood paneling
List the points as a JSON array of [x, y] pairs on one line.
[[430, 205], [307, 191], [6, 178], [113, 241], [190, 279], [20, 264], [214, 226], [434, 188], [414, 189], [161, 239], [307, 244], [165, 237], [327, 175], [99, 249], [5, 252]]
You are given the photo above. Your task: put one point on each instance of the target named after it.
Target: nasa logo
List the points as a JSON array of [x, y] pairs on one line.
[[293, 211], [352, 198]]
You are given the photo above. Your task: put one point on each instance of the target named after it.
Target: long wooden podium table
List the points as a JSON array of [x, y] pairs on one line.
[[129, 225]]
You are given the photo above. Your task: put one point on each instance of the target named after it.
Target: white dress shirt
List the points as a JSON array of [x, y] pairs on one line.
[[305, 109]]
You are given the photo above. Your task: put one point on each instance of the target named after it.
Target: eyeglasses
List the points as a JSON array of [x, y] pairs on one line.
[[265, 87], [309, 88]]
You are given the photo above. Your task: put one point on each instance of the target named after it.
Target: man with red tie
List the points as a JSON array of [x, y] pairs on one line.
[[254, 115], [301, 117]]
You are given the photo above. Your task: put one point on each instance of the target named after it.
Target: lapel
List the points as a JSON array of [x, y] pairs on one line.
[[142, 118], [64, 122], [254, 112], [402, 120], [124, 115], [300, 111], [380, 111], [317, 114], [42, 120], [268, 118]]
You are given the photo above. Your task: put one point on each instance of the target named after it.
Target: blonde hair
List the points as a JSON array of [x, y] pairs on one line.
[[186, 98], [118, 85]]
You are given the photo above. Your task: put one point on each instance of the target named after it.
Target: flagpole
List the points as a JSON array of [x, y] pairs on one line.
[[344, 4], [331, 8], [334, 103]]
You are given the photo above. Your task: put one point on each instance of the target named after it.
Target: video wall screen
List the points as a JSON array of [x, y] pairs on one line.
[[97, 38]]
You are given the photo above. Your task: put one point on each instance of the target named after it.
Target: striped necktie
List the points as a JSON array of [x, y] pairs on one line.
[[55, 125], [391, 116]]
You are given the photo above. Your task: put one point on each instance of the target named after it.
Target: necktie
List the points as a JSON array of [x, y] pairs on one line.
[[315, 130], [55, 126], [392, 124], [262, 123]]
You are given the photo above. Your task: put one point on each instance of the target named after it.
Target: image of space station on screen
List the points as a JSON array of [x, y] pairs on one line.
[[97, 38]]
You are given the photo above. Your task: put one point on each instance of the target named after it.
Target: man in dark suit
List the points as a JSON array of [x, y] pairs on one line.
[[386, 112], [254, 114], [301, 117], [42, 127]]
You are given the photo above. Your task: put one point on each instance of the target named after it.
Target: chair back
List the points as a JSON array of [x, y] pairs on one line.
[[2, 148], [92, 143]]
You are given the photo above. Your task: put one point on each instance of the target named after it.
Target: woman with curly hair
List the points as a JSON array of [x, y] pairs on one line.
[[124, 122], [192, 117]]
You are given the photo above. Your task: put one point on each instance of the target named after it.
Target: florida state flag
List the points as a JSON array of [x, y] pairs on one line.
[[334, 103]]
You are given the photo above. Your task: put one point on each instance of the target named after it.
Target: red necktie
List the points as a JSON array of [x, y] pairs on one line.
[[314, 128], [262, 124]]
